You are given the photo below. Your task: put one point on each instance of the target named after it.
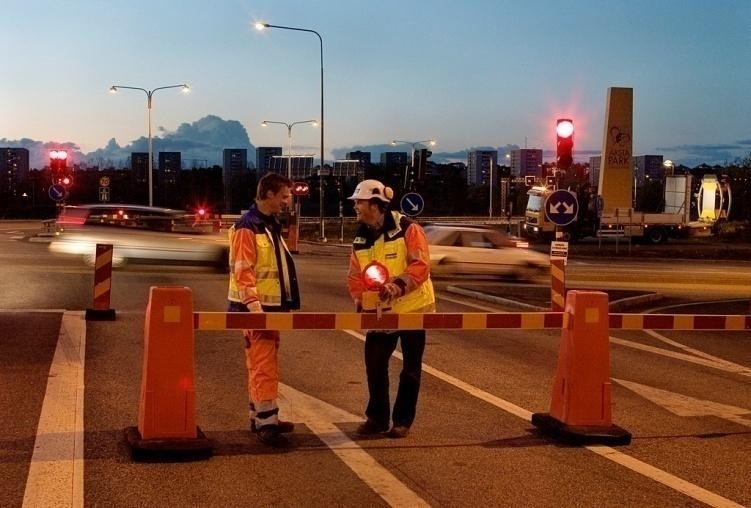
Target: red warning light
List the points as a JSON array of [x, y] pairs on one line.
[[375, 275], [300, 188], [565, 128]]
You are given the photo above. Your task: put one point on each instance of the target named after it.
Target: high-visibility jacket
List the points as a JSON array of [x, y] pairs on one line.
[[402, 247], [260, 264]]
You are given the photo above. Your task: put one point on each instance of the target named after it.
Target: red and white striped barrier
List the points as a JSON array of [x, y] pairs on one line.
[[455, 321]]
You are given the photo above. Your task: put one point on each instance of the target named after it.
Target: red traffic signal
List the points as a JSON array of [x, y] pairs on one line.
[[564, 144], [300, 189], [58, 160]]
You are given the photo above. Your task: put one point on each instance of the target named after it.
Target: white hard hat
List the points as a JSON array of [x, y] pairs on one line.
[[368, 189]]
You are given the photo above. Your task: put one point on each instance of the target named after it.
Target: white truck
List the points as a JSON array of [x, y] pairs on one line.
[[620, 222]]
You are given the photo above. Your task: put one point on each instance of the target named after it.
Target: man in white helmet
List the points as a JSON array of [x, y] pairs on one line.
[[400, 244]]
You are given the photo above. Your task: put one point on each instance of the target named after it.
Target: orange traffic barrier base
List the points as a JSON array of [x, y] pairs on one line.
[[580, 407], [167, 427], [101, 310]]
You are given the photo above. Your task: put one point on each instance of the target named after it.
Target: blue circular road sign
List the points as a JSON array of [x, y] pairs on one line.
[[412, 204], [57, 192], [561, 207]]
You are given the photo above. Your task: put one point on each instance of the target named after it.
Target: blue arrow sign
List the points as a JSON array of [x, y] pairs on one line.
[[561, 207], [412, 204], [57, 192]]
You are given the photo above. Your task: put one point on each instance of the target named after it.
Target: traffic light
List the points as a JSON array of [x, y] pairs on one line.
[[529, 181], [565, 144], [550, 181], [421, 162], [300, 189], [58, 163]]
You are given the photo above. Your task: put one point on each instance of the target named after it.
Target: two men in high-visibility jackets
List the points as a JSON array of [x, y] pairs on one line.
[[262, 278], [400, 244]]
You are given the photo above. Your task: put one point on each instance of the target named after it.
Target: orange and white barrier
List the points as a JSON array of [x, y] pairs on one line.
[[371, 321], [167, 405], [580, 407], [557, 284], [728, 322], [101, 310], [455, 321]]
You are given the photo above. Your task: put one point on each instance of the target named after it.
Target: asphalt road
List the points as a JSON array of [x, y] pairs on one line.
[[683, 395]]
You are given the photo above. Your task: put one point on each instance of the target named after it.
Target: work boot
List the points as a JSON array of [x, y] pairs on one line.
[[284, 427], [369, 427], [398, 431], [270, 435]]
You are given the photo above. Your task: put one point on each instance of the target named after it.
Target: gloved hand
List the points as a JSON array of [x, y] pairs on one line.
[[255, 306], [389, 291]]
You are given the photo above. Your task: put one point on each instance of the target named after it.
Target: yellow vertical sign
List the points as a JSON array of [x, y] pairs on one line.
[[616, 171]]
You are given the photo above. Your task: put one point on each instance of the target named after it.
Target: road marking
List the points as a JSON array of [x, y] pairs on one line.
[[56, 470], [462, 302], [32, 311], [320, 416], [683, 405], [736, 369], [636, 465], [667, 479]]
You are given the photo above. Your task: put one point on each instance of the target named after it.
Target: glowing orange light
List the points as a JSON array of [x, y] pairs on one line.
[[374, 275]]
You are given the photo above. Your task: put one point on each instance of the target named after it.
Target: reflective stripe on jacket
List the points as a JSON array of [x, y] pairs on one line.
[[403, 248], [256, 250]]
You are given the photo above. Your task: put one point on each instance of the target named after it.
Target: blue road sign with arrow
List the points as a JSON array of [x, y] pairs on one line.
[[412, 204], [561, 207], [57, 192]]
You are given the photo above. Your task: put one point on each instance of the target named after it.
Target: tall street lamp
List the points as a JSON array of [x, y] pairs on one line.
[[149, 94], [261, 26], [395, 142], [289, 126]]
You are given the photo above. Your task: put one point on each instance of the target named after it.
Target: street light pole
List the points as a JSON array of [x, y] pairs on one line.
[[149, 95], [261, 26], [395, 142], [490, 186], [289, 126]]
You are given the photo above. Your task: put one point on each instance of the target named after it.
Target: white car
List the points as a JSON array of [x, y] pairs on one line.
[[139, 233], [478, 250]]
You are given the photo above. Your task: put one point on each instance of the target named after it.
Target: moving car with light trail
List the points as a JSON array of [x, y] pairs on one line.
[[477, 250], [139, 234]]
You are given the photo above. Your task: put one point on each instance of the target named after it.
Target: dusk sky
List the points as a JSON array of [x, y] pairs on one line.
[[469, 74]]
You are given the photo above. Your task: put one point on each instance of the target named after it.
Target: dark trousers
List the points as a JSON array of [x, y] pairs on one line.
[[378, 349]]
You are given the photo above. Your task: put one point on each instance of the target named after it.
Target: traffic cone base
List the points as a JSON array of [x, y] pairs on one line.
[[581, 434], [100, 315], [168, 450]]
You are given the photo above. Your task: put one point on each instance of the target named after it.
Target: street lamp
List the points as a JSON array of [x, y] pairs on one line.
[[149, 94], [669, 167], [262, 26], [289, 126], [395, 142]]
